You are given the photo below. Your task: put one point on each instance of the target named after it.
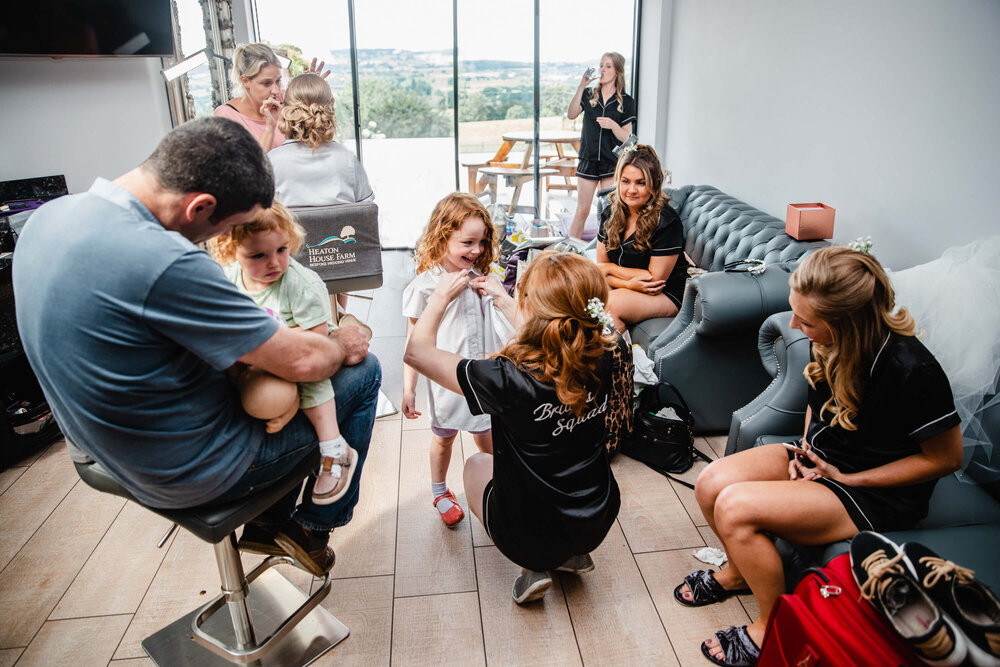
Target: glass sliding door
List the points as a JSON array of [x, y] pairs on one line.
[[305, 29], [405, 78], [406, 104], [573, 36], [495, 96]]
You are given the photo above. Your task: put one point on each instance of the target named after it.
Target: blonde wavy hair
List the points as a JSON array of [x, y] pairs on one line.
[[446, 219], [560, 343], [309, 114], [645, 159], [248, 60], [277, 218], [851, 293], [618, 60]]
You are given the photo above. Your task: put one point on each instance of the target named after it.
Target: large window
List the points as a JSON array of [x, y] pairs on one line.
[[406, 53]]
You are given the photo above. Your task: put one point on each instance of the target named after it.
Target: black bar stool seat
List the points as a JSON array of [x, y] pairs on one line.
[[295, 629]]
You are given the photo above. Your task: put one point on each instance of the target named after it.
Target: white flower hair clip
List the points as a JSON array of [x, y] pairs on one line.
[[595, 308], [630, 148]]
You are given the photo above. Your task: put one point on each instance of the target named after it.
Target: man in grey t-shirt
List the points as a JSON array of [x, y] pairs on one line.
[[129, 327]]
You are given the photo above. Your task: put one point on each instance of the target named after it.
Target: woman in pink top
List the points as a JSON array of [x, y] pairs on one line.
[[256, 73]]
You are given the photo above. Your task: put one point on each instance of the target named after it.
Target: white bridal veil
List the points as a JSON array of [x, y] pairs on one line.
[[955, 301]]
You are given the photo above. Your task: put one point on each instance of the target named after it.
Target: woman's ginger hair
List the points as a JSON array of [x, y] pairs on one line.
[[446, 219], [248, 60], [643, 158], [277, 218], [309, 114], [618, 60], [851, 293], [559, 342]]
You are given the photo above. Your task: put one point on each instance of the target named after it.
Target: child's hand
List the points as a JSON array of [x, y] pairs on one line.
[[452, 284], [488, 286], [410, 405]]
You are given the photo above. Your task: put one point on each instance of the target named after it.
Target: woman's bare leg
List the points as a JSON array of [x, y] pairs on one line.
[[585, 189], [748, 515], [629, 307], [477, 474], [484, 441]]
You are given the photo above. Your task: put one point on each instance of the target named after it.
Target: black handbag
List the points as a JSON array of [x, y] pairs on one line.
[[664, 444]]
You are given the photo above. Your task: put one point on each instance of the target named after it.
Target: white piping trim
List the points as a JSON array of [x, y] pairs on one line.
[[848, 494], [471, 388], [884, 343], [934, 421]]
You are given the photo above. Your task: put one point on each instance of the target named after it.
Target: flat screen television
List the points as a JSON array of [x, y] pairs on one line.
[[87, 28]]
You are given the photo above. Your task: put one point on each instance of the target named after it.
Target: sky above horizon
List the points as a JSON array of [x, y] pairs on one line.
[[571, 30]]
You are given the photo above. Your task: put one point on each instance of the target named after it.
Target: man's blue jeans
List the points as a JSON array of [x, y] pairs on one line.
[[356, 388]]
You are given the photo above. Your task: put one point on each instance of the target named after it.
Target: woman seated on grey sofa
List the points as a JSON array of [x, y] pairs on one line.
[[881, 428], [640, 244]]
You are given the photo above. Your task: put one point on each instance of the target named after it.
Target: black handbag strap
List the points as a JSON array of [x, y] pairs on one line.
[[697, 452], [677, 394]]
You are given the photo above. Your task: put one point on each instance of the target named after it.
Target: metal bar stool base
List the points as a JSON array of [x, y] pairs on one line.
[[272, 599]]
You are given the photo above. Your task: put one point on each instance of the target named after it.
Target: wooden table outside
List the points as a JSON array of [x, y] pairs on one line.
[[563, 163]]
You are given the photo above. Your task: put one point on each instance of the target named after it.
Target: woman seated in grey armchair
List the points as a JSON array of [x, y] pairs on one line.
[[640, 244], [881, 428]]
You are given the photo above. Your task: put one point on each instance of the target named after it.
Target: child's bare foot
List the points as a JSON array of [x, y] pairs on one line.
[[278, 423]]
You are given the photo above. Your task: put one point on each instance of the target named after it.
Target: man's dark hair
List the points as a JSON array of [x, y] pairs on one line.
[[216, 156]]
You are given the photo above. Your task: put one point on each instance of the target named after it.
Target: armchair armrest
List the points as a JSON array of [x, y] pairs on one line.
[[781, 407], [723, 302]]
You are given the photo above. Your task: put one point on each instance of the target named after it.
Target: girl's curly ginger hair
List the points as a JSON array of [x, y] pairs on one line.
[[223, 248], [446, 219]]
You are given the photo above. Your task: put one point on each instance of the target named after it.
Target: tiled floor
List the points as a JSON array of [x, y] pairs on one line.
[[82, 582]]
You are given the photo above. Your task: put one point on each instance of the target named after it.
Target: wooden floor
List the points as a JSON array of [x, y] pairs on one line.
[[82, 582]]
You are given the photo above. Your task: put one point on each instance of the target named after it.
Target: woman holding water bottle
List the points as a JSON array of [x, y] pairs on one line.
[[608, 114]]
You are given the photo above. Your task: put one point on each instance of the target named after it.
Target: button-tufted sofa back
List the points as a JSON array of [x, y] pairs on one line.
[[719, 229]]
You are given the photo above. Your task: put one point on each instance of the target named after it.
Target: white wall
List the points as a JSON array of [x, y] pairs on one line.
[[82, 117], [886, 110]]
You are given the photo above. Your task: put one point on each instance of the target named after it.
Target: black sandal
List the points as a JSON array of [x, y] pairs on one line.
[[738, 649], [704, 589]]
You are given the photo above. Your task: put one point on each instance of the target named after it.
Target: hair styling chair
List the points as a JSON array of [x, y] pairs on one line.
[[270, 621]]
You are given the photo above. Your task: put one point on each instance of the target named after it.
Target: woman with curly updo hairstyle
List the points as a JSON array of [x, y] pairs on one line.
[[640, 244], [310, 168], [880, 429], [554, 395], [309, 114]]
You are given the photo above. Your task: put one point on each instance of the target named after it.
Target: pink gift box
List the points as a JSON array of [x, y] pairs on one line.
[[809, 222]]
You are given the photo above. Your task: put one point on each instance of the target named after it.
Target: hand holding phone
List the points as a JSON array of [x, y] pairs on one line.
[[795, 446]]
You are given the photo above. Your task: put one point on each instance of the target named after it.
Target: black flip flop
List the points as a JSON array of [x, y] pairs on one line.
[[738, 649], [704, 589]]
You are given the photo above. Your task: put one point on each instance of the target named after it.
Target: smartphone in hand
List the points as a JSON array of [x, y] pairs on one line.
[[800, 452]]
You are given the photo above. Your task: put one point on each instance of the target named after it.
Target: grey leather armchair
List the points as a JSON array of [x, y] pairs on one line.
[[709, 350]]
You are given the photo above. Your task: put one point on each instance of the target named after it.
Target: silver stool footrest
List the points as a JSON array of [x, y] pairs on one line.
[[296, 629]]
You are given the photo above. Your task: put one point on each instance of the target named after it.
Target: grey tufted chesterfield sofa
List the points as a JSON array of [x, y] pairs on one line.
[[709, 350]]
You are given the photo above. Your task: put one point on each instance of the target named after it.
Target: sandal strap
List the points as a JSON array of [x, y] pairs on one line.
[[737, 647], [447, 494], [704, 588]]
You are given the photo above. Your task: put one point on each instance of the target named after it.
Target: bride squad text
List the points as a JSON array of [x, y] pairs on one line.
[[548, 411]]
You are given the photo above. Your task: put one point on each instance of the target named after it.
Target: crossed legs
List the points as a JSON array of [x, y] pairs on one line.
[[747, 498]]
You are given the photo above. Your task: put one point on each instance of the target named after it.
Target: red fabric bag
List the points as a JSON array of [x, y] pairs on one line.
[[825, 623]]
